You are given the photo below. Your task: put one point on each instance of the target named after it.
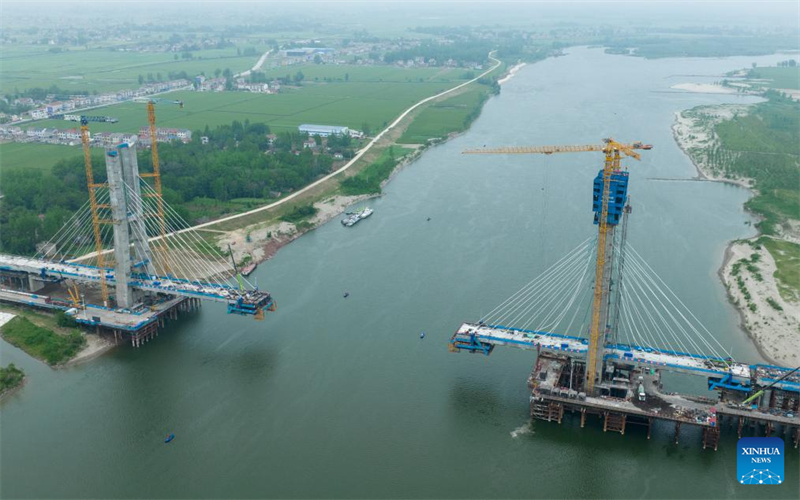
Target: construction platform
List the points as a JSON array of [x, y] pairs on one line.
[[634, 395], [137, 325]]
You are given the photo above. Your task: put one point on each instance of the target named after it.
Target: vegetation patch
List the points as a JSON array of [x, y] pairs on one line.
[[778, 77], [369, 180], [763, 146], [40, 342], [699, 42], [448, 116], [10, 377], [20, 155], [300, 214], [787, 261]]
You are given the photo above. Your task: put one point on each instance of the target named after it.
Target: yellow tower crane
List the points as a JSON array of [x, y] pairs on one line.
[[613, 151], [98, 242], [156, 175]]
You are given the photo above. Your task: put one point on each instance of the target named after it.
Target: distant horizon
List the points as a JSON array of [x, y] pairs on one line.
[[784, 14]]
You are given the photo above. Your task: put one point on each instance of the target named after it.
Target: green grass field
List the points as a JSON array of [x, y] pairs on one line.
[[38, 156], [787, 260], [105, 70], [778, 77], [41, 342], [363, 99], [442, 118]]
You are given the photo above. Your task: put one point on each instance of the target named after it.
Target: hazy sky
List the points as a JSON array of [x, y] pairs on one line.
[[412, 13]]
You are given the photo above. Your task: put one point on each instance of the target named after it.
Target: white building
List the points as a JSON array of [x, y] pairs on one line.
[[323, 130]]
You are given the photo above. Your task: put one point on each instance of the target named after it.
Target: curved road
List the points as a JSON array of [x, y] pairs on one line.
[[316, 183], [350, 163]]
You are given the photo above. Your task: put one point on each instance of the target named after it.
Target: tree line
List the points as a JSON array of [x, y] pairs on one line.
[[240, 160]]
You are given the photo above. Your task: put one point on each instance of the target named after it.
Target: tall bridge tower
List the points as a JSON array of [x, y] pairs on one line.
[[608, 203], [609, 199], [131, 247]]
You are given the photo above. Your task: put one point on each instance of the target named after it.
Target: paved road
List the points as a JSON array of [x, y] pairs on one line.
[[256, 67], [349, 164]]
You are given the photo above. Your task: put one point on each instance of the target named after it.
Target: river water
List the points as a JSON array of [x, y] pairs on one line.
[[334, 397]]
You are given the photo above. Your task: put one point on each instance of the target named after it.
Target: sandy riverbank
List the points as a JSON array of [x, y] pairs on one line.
[[704, 88], [510, 73], [265, 240], [96, 345], [776, 333], [693, 130]]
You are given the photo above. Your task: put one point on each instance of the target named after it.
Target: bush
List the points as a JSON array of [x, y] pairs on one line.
[[65, 320], [10, 377], [300, 213]]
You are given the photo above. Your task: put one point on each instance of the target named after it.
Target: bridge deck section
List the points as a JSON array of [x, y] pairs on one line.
[[483, 338]]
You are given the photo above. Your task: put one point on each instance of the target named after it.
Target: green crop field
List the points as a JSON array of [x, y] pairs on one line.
[[38, 156], [351, 103], [355, 73], [104, 70], [442, 118]]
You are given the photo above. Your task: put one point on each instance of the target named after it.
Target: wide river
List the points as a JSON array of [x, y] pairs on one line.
[[334, 397]]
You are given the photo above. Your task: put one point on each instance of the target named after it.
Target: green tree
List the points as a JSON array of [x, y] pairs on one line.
[[20, 235]]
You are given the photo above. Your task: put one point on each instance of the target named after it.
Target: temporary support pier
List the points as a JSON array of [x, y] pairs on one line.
[[138, 325], [633, 396]]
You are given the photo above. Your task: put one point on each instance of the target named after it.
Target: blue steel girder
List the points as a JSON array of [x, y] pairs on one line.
[[478, 336]]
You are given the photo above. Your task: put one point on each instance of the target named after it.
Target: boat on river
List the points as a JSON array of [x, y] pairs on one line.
[[249, 268], [354, 217]]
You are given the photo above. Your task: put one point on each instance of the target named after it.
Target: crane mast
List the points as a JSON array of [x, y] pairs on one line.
[[156, 175], [92, 186], [611, 179]]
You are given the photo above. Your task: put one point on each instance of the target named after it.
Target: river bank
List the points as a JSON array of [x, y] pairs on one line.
[[260, 242], [748, 271], [93, 346]]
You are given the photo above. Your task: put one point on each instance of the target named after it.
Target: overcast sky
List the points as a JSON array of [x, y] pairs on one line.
[[443, 12]]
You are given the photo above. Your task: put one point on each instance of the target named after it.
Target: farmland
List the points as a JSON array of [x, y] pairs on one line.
[[37, 156], [371, 95], [104, 70], [445, 117]]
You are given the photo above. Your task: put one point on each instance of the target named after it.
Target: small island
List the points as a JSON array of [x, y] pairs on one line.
[[11, 378]]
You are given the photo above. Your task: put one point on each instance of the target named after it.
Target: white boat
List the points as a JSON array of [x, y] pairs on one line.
[[353, 217]]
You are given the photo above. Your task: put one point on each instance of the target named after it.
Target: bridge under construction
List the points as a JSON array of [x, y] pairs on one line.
[[126, 261], [608, 332]]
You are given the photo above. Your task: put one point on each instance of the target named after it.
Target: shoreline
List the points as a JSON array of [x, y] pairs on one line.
[[510, 73], [288, 232], [769, 329], [262, 249], [266, 241]]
